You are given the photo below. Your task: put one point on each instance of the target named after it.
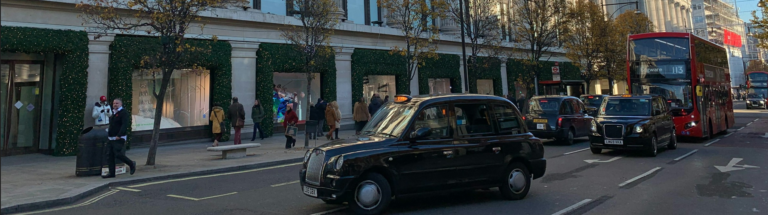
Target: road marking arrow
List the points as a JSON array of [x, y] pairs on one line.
[[732, 166], [606, 161]]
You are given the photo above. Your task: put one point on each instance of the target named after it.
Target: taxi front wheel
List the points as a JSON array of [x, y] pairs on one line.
[[517, 182], [372, 195]]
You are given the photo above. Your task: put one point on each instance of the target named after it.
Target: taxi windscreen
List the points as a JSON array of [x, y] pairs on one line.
[[543, 105], [626, 107]]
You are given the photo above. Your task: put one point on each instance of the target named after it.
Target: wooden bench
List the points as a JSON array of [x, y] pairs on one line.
[[233, 151]]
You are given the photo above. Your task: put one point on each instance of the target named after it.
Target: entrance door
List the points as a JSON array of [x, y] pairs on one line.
[[22, 98]]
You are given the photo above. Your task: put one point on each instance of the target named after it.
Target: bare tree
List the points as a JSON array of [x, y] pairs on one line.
[[536, 29], [481, 27], [413, 18], [614, 47], [311, 38], [168, 19], [587, 34]]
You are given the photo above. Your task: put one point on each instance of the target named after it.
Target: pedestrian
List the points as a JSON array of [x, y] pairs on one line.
[[237, 115], [315, 116], [101, 112], [330, 119], [257, 114], [361, 115], [118, 127], [321, 106], [386, 99], [217, 117], [290, 120], [521, 102], [338, 118], [376, 103]]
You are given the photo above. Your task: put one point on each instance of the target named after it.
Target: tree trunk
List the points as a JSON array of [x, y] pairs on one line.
[[610, 85], [160, 100], [309, 95]]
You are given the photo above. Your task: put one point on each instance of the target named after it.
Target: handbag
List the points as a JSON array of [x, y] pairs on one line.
[[291, 131], [240, 122], [222, 125]]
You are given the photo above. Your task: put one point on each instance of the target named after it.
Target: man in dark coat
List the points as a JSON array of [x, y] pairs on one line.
[[320, 109], [237, 113], [376, 103], [118, 127]]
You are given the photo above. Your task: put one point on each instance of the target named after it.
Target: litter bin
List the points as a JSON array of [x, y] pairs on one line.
[[90, 152]]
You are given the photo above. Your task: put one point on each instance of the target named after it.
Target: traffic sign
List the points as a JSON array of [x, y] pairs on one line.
[[555, 70]]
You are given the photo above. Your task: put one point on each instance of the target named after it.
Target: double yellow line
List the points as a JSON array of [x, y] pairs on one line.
[[91, 201]]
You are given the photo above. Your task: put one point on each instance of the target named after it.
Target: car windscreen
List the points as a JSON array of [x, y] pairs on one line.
[[594, 101], [626, 107], [543, 105], [390, 120]]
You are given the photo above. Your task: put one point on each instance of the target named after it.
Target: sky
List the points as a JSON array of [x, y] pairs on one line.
[[745, 8]]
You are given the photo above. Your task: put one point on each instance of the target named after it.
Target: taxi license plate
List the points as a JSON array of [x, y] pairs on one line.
[[310, 191], [539, 120], [614, 142], [540, 126]]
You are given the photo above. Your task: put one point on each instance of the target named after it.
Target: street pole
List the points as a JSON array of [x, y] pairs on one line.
[[463, 48]]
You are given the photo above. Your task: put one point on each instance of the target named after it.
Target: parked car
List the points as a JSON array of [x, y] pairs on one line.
[[633, 123], [425, 144], [561, 117], [756, 101], [592, 102]]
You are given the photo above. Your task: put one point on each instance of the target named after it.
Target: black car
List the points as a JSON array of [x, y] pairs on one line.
[[561, 117], [633, 123], [756, 101], [424, 144], [592, 102]]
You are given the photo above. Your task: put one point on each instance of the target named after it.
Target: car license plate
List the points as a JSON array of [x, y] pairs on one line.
[[540, 126], [539, 120], [614, 142], [310, 191]]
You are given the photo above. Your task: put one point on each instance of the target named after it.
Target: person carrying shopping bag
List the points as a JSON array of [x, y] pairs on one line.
[[217, 117], [237, 114], [257, 114], [330, 118], [360, 115], [290, 121]]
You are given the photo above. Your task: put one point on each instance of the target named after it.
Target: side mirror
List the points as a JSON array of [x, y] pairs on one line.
[[421, 133]]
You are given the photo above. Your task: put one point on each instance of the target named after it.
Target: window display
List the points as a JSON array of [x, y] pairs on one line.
[[186, 104], [384, 85], [485, 86], [439, 86], [290, 90]]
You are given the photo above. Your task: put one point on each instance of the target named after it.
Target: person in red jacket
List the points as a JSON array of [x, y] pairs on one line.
[[290, 119]]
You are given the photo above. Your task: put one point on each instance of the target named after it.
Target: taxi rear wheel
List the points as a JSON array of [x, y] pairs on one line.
[[568, 137], [654, 148], [372, 195], [672, 140], [517, 182]]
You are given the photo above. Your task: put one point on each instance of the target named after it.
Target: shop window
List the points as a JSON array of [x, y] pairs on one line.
[[291, 90], [384, 85], [473, 119], [485, 86], [439, 86], [186, 104], [278, 7]]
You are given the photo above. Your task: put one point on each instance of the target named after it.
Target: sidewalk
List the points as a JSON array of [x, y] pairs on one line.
[[49, 181]]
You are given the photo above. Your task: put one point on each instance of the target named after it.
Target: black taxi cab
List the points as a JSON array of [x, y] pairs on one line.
[[427, 143], [561, 117], [592, 102], [627, 122]]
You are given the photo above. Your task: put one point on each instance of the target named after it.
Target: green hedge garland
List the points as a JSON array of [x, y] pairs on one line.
[[488, 68], [445, 66], [515, 68], [285, 58], [127, 52], [367, 62], [73, 45]]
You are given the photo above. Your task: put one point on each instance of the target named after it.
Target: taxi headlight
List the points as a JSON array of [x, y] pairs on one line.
[[594, 126], [762, 102], [339, 162], [638, 129]]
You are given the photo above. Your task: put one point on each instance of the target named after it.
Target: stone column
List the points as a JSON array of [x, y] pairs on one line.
[[344, 80], [667, 16], [244, 75], [678, 16], [98, 73], [659, 14], [463, 79], [339, 10], [504, 83]]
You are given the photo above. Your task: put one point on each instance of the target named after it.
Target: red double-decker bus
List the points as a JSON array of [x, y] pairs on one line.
[[690, 72]]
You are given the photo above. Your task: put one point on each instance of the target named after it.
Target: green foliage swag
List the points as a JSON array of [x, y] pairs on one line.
[[516, 68], [445, 66], [285, 58], [367, 62], [488, 68], [73, 46], [128, 51]]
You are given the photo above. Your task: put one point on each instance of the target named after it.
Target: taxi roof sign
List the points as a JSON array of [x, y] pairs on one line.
[[402, 98], [626, 95]]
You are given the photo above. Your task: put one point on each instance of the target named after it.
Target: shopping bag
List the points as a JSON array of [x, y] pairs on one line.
[[291, 131]]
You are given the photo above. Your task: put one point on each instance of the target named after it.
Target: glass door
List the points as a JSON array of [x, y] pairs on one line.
[[21, 109]]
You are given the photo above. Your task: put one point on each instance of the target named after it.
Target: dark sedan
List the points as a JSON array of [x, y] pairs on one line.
[[561, 117], [756, 101], [633, 123]]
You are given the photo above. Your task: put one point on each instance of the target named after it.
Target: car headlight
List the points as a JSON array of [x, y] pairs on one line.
[[762, 102], [638, 129], [594, 126], [306, 155], [339, 162]]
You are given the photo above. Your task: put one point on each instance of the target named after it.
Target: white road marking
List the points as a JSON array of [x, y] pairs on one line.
[[580, 150], [733, 165], [740, 129], [729, 134], [605, 161], [128, 189], [711, 142], [86, 203], [208, 176], [196, 199], [749, 124], [686, 155], [639, 176], [573, 207], [755, 120], [286, 183], [330, 211]]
